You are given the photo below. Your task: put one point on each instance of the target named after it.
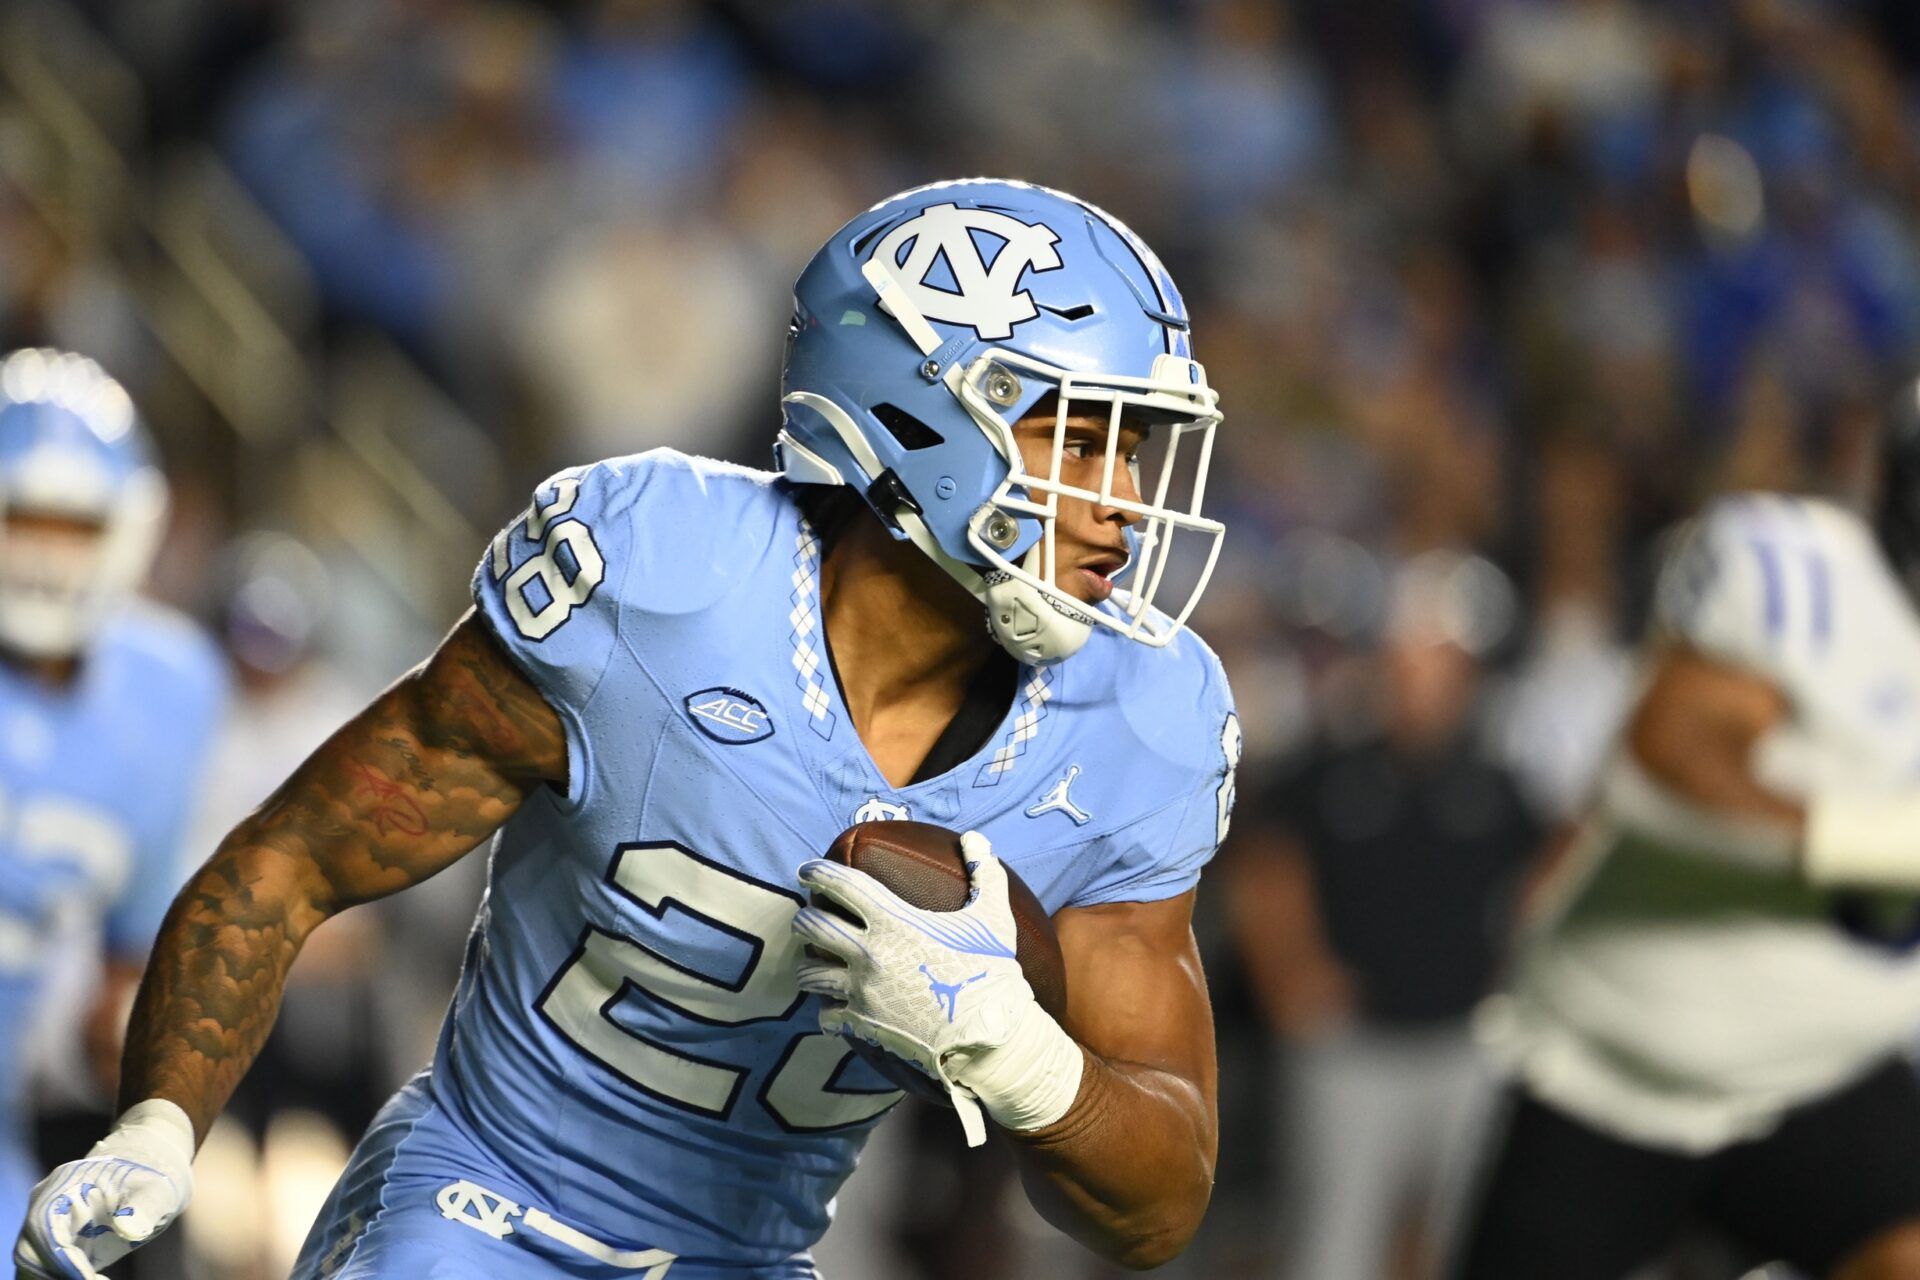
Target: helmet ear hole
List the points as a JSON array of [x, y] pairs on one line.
[[907, 429]]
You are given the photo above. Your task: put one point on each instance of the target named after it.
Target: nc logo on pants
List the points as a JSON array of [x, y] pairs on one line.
[[492, 1213], [478, 1207]]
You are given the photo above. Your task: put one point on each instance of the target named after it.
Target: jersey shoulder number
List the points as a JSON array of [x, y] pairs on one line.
[[559, 567], [1172, 761], [1758, 579], [656, 532], [547, 588]]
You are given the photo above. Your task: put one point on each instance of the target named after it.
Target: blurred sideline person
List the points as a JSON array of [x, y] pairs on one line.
[[1711, 1023], [1372, 886], [681, 680], [107, 705]]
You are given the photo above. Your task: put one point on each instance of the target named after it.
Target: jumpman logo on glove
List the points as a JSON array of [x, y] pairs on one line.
[[948, 993]]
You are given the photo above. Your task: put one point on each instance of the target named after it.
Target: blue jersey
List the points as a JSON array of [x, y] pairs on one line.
[[97, 782], [627, 1039]]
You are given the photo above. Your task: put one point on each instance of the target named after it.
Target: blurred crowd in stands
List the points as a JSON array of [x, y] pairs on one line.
[[1494, 290]]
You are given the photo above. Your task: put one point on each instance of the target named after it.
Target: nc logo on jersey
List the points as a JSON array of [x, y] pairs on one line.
[[729, 716], [877, 810], [963, 266]]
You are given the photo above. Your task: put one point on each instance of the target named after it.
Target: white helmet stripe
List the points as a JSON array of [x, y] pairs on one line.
[[894, 299]]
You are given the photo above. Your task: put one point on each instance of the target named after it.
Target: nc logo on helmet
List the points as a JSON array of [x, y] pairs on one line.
[[985, 296]]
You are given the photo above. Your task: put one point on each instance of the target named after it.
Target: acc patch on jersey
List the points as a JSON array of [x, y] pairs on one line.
[[729, 716]]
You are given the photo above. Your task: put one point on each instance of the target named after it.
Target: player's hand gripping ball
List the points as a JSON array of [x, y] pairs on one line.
[[923, 944]]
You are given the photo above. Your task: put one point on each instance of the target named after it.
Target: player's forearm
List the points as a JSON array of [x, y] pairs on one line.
[[214, 981], [343, 830], [1655, 807], [1128, 1170]]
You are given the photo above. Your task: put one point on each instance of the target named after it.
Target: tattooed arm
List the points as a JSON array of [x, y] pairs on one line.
[[400, 792]]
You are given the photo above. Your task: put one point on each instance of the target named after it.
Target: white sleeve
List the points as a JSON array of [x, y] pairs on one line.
[[1749, 582]]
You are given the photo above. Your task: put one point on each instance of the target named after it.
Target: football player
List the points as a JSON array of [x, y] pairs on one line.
[[106, 710], [680, 681], [1711, 1024]]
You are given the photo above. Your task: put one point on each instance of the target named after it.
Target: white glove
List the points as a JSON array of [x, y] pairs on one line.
[[941, 990], [90, 1213]]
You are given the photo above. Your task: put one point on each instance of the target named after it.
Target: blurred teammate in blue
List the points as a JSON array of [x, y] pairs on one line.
[[680, 681], [106, 709]]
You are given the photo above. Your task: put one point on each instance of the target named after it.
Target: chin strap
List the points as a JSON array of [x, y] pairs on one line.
[[1027, 622], [1020, 617]]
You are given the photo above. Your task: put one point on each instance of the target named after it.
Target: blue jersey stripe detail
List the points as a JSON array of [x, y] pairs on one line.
[[1821, 585]]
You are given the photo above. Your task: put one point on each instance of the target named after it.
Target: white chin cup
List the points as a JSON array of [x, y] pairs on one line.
[[1028, 623], [56, 592], [36, 627], [52, 592]]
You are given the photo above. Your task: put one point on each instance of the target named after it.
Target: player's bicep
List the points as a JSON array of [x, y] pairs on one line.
[[1135, 989], [431, 768], [474, 708], [1697, 728]]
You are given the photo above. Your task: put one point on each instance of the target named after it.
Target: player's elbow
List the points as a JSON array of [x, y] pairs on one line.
[[253, 874], [1151, 1254], [1670, 747], [1155, 1248], [1158, 1236]]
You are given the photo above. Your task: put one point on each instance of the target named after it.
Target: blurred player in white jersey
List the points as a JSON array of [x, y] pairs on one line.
[[106, 708], [1711, 1024]]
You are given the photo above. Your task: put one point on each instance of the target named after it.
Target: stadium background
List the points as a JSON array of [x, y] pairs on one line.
[[1516, 282]]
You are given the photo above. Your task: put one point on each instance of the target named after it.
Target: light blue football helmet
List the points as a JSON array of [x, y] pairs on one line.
[[71, 446], [934, 321]]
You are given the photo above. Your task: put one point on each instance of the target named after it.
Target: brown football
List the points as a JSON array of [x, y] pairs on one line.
[[922, 863]]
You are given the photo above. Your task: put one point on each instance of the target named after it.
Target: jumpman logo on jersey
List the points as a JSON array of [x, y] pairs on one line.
[[1058, 801], [948, 993]]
